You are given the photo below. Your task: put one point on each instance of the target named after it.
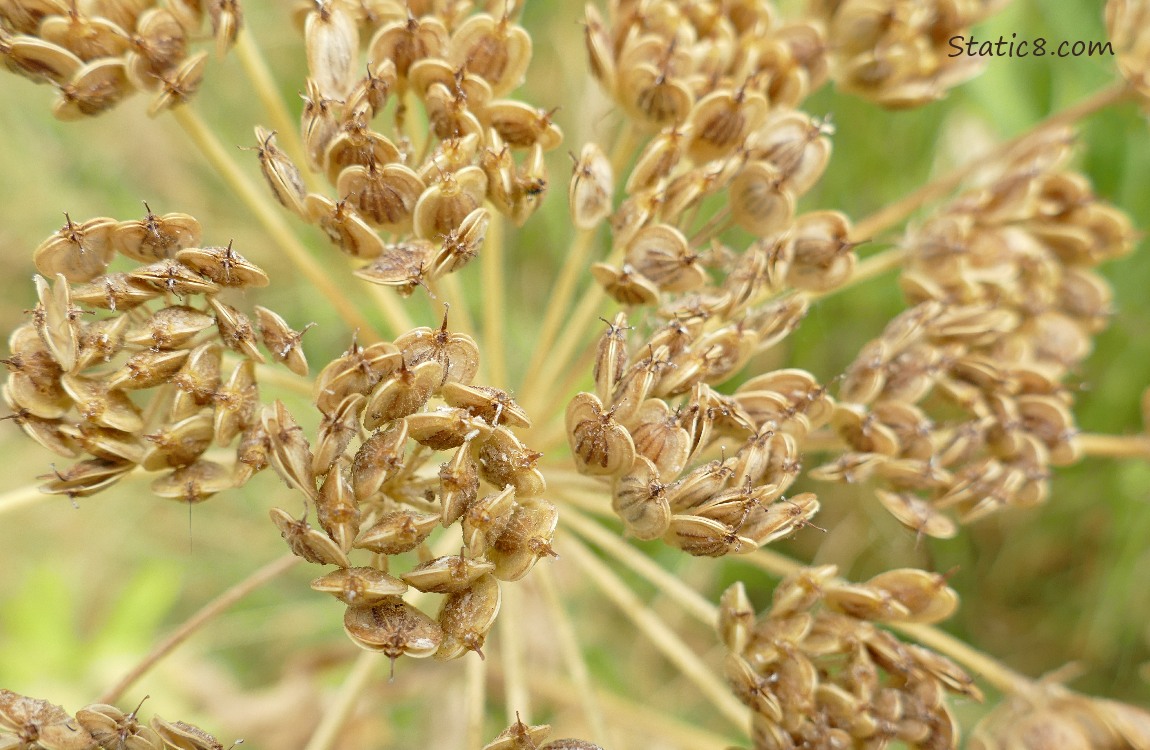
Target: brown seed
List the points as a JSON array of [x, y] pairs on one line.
[[466, 616], [81, 252], [156, 238], [178, 444], [591, 193], [405, 392], [523, 540], [235, 403], [332, 43], [640, 499], [336, 508], [290, 454], [85, 477], [457, 352], [378, 459], [447, 575], [170, 328], [397, 532], [177, 734], [306, 542], [343, 226], [336, 431], [236, 330], [458, 484], [359, 587], [505, 461], [394, 628], [223, 265], [194, 483], [179, 84]]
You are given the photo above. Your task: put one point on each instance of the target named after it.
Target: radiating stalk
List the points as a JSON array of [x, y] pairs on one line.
[[205, 615]]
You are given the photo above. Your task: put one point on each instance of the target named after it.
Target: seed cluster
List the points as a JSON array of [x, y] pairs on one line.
[[817, 671], [715, 84], [520, 736], [423, 184], [35, 724], [959, 408], [99, 341], [1052, 717], [897, 53], [97, 52], [387, 410]]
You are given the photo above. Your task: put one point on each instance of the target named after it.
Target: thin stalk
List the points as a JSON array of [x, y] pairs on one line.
[[205, 615], [667, 583], [259, 74], [565, 347], [681, 655], [516, 696], [894, 213], [272, 221], [450, 292], [558, 298], [393, 311], [572, 655], [494, 301], [475, 672], [281, 377], [1114, 446], [20, 497], [335, 716], [555, 433], [639, 718], [350, 691], [876, 265]]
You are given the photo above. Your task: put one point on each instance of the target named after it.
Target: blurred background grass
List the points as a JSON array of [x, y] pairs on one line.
[[86, 590]]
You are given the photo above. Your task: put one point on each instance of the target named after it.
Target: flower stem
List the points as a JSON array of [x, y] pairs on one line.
[[666, 582], [350, 691], [260, 75], [475, 670], [680, 654], [558, 298], [494, 319], [517, 698], [1114, 446], [205, 615], [894, 213], [573, 657], [272, 221]]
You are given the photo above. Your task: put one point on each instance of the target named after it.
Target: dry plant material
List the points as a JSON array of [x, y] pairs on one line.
[[36, 724], [126, 369], [960, 408], [96, 54], [371, 475], [818, 670], [415, 203]]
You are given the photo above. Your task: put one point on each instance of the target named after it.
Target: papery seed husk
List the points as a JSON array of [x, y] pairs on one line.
[[223, 265], [447, 575], [156, 238], [179, 444], [359, 587], [378, 458], [466, 616], [194, 483], [458, 484], [290, 454], [394, 628], [306, 542], [79, 251], [397, 532]]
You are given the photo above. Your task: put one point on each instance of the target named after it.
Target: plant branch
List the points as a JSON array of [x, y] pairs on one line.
[[205, 615], [681, 655]]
